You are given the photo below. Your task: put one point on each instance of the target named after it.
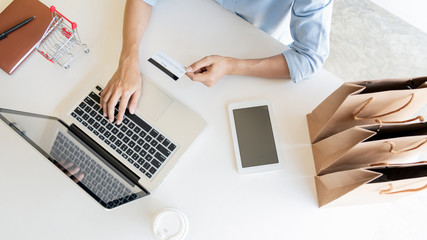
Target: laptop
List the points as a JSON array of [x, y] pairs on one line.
[[114, 164]]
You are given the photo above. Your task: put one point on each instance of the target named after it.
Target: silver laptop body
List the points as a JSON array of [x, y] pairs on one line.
[[134, 157]]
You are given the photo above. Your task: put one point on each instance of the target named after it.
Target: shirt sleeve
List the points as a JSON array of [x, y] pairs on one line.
[[310, 27], [151, 2]]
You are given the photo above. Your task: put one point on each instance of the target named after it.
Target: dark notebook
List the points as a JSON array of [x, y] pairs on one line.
[[18, 45]]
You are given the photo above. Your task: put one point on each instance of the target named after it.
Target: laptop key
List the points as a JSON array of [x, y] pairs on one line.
[[120, 135], [126, 120], [139, 122], [172, 147], [123, 128], [85, 116], [140, 142], [156, 163], [166, 142], [94, 97], [152, 170], [143, 153], [124, 147], [87, 109], [163, 150], [160, 157], [146, 146], [82, 105], [148, 138], [129, 133], [154, 143], [135, 137], [146, 165], [129, 152], [154, 133], [79, 111], [98, 118], [89, 101], [160, 138]]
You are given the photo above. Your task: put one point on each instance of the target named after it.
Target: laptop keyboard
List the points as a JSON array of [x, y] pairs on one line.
[[98, 180], [146, 148]]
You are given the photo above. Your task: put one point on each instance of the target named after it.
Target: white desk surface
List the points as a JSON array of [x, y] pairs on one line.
[[38, 202]]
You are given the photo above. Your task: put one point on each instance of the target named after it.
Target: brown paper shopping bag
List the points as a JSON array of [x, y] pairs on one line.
[[367, 102], [370, 185], [362, 146]]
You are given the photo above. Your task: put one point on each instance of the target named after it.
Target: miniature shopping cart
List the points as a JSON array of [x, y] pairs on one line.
[[61, 42]]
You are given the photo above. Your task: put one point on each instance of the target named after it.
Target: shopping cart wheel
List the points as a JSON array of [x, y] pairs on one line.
[[67, 67], [87, 50]]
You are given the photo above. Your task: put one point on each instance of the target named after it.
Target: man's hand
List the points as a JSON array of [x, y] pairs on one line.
[[125, 85], [209, 70]]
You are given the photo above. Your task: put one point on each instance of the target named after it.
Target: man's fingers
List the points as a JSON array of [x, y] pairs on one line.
[[190, 75], [134, 101], [197, 66], [105, 97], [122, 109], [111, 107]]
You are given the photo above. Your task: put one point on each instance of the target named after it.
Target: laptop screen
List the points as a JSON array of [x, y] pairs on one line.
[[77, 160]]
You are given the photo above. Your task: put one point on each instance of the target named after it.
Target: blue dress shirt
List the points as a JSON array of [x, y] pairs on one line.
[[309, 27]]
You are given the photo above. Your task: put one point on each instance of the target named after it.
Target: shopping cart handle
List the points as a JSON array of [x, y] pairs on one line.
[[73, 24]]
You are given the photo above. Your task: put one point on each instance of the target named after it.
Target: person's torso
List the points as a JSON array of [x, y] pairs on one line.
[[267, 15]]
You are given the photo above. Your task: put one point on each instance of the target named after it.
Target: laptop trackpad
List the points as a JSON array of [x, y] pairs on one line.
[[154, 102]]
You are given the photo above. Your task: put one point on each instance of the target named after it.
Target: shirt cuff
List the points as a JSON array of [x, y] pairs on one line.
[[151, 2], [298, 65]]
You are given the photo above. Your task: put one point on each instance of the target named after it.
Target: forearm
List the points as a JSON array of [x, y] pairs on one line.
[[136, 18], [271, 67]]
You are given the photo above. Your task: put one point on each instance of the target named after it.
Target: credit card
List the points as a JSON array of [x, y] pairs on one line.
[[168, 65]]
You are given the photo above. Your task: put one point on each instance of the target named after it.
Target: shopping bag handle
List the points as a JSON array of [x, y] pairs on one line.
[[393, 147], [389, 191], [357, 118], [394, 164]]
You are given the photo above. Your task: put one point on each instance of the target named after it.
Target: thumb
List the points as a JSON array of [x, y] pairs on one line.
[[204, 62]]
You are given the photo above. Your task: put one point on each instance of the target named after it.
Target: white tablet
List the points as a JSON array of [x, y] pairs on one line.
[[254, 137]]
